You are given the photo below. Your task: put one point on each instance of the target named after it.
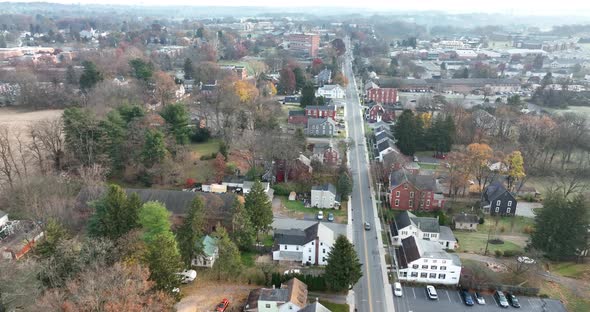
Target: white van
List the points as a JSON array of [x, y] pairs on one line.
[[187, 276], [397, 289]]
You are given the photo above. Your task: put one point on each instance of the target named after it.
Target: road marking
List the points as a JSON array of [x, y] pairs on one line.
[[448, 296], [460, 299], [414, 291]]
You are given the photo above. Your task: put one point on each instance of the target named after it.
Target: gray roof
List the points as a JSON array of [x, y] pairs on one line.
[[296, 113], [425, 224], [446, 234], [178, 202], [330, 87], [324, 187], [494, 190], [423, 182], [315, 307], [319, 121], [277, 294], [297, 236], [414, 249], [383, 135], [322, 107], [384, 145], [466, 218]]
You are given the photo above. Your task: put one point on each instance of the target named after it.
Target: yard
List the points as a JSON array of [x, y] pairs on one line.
[[334, 307], [207, 148], [202, 297], [507, 225], [573, 270], [572, 302], [475, 242], [426, 166], [298, 210]]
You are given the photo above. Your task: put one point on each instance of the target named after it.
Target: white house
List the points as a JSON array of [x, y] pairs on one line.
[[209, 255], [384, 148], [323, 196], [424, 261], [331, 92], [292, 296], [249, 184], [310, 245], [406, 224]]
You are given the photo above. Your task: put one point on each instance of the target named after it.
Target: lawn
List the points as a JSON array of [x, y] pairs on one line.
[[570, 269], [428, 166], [506, 225], [298, 207], [476, 242], [572, 302], [335, 307], [248, 258], [207, 148]]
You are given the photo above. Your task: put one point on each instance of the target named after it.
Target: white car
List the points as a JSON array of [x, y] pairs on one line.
[[321, 215], [397, 289], [431, 292], [187, 276], [292, 271]]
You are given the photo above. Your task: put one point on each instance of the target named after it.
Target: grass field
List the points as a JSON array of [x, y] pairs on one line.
[[248, 258], [476, 242], [573, 270], [506, 225], [335, 307], [298, 206], [428, 166], [207, 148]]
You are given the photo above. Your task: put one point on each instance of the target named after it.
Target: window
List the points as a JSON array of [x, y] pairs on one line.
[[433, 261], [428, 202], [432, 275], [285, 247], [411, 194], [470, 224], [425, 267], [268, 305], [321, 243], [312, 243], [411, 203], [509, 203], [403, 274], [397, 202], [442, 276], [323, 259], [442, 268], [397, 194], [324, 250], [404, 232], [425, 260], [508, 210], [433, 267], [497, 209], [423, 275], [405, 186], [498, 203], [414, 274], [296, 247], [415, 266], [444, 261]]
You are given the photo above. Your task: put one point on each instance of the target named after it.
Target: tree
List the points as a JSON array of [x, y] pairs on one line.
[[220, 167], [246, 91], [177, 120], [71, 78], [344, 267], [307, 95], [164, 87], [243, 232], [259, 208], [114, 215], [228, 264], [82, 135], [561, 226], [287, 82], [189, 70], [339, 46], [514, 165], [164, 261], [407, 133], [154, 220], [478, 157], [300, 79], [54, 233], [344, 184], [190, 231], [19, 284], [90, 76], [154, 150], [113, 130], [141, 69]]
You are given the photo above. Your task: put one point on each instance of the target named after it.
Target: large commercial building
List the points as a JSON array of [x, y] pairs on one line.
[[307, 44]]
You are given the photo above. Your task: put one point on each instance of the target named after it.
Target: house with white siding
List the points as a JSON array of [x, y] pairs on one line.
[[307, 246], [407, 224]]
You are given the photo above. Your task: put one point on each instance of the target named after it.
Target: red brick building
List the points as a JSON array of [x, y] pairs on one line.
[[382, 95], [379, 112], [297, 118], [321, 111], [305, 43], [409, 191], [331, 156]]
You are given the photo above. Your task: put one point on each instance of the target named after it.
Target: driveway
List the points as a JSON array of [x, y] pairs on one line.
[[525, 209]]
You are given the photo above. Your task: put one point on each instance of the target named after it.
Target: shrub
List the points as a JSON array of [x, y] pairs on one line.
[[481, 220], [528, 229], [498, 253], [200, 135], [502, 229], [282, 189], [510, 253], [190, 182]]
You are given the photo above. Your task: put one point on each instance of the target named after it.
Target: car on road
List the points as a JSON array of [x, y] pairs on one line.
[[222, 306], [466, 296], [513, 300], [367, 226], [501, 299], [187, 276], [320, 215], [397, 289], [479, 298], [331, 217], [431, 292]]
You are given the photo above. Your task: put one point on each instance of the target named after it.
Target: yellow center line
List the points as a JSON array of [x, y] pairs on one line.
[[368, 274]]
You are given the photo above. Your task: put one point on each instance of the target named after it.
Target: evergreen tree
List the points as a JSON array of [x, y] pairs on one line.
[[259, 208], [163, 260], [300, 80], [307, 95], [113, 216], [191, 231], [188, 69], [54, 234], [228, 264], [154, 149], [344, 184], [243, 232], [129, 112], [90, 76], [154, 219], [141, 69], [405, 132], [114, 134], [561, 226], [344, 268], [177, 120]]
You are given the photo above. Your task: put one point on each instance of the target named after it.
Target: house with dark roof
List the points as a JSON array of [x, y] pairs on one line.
[[409, 191], [496, 200], [385, 148], [321, 127], [324, 196], [297, 117], [423, 261], [323, 77], [407, 224], [465, 221], [308, 246], [320, 111], [291, 296], [379, 112]]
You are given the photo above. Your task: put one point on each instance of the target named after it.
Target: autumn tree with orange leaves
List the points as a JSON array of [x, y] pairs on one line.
[[478, 158]]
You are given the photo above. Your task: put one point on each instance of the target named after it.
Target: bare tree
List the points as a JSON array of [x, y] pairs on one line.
[[13, 165], [47, 141]]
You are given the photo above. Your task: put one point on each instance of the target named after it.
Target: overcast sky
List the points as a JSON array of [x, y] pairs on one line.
[[539, 7]]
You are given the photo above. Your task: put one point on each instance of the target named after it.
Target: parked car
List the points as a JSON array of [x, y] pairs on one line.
[[479, 298], [431, 292], [292, 271], [321, 215], [222, 306], [466, 296], [501, 299], [187, 276], [367, 226], [513, 300], [397, 289], [331, 217]]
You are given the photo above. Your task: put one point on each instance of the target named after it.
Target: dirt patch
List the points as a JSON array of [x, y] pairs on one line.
[[204, 296], [19, 120]]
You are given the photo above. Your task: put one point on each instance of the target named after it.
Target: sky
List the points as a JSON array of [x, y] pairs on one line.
[[520, 7]]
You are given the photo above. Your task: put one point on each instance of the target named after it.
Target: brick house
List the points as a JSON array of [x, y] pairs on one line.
[[414, 191], [297, 118], [382, 95], [321, 111], [380, 112]]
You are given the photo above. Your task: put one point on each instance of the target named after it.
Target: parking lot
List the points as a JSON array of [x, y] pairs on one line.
[[414, 300]]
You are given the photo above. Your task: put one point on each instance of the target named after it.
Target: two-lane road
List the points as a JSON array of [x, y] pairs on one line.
[[371, 291]]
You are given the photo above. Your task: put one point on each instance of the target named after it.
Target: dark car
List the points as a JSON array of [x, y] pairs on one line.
[[512, 300], [466, 296]]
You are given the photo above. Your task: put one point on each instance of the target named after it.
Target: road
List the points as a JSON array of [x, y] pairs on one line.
[[373, 291]]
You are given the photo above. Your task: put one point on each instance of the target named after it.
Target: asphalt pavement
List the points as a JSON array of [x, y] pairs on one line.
[[414, 300], [370, 291]]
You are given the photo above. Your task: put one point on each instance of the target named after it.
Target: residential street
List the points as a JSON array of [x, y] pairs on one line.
[[373, 291]]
